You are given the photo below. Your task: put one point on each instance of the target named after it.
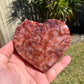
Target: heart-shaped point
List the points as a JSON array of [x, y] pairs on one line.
[[42, 44]]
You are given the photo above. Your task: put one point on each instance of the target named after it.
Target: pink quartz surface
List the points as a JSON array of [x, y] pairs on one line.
[[42, 44]]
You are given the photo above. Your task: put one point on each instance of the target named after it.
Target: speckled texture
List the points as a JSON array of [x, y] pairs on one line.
[[42, 44]]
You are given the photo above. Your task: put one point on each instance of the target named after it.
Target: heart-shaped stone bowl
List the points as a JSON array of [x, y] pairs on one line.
[[42, 44]]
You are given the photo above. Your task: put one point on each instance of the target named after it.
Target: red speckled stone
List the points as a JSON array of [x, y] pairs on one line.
[[42, 44]]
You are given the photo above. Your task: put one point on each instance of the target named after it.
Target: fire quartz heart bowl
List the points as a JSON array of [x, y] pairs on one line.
[[42, 44]]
